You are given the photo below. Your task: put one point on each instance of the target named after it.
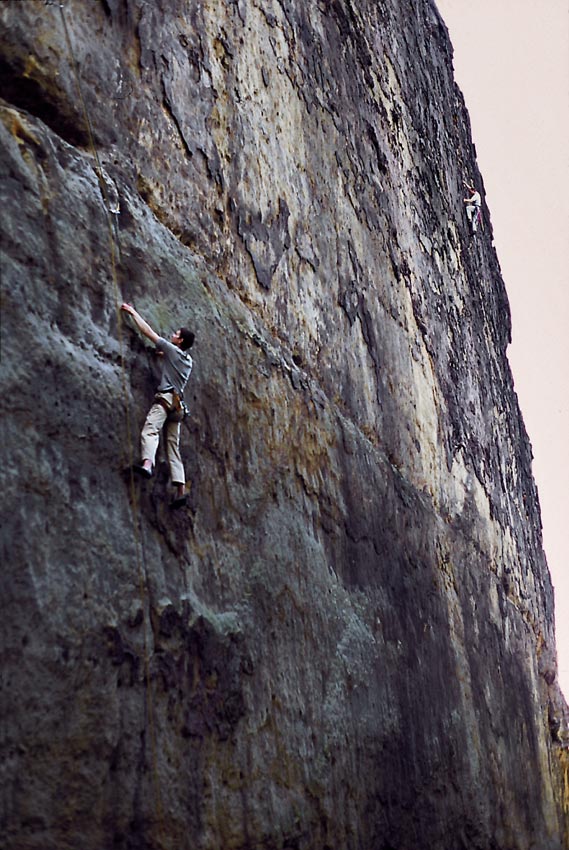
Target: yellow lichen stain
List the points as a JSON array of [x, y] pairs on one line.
[[562, 788], [563, 755], [25, 138], [541, 643], [32, 66], [21, 133]]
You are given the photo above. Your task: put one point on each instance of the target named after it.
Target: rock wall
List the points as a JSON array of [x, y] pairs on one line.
[[347, 641]]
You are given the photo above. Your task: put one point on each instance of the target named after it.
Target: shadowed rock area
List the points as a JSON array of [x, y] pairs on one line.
[[346, 642]]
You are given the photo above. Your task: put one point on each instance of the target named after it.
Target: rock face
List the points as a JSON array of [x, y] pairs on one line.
[[347, 642]]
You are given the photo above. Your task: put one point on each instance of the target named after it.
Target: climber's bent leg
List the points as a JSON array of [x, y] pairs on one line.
[[150, 435]]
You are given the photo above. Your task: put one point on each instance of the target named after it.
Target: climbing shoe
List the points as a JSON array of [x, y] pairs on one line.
[[142, 470], [179, 502]]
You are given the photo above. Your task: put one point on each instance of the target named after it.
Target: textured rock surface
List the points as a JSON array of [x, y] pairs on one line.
[[348, 642]]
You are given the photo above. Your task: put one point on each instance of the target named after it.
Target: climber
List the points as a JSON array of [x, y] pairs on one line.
[[474, 204], [168, 408]]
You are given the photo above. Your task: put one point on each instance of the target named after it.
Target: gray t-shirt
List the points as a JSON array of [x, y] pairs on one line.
[[176, 367]]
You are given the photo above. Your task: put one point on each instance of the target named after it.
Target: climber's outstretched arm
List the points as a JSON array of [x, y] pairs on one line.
[[143, 326]]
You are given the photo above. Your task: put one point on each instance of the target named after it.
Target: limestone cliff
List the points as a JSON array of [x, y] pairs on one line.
[[347, 642]]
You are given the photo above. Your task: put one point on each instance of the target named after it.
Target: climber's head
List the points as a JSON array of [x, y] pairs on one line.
[[183, 338]]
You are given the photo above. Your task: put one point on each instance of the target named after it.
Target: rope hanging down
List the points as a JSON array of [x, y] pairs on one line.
[[141, 567]]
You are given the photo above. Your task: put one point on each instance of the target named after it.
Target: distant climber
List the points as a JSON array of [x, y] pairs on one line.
[[473, 207], [168, 408]]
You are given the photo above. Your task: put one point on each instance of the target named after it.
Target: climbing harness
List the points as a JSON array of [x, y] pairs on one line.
[[176, 407], [111, 207]]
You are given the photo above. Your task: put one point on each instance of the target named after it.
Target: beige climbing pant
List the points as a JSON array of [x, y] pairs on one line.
[[156, 421]]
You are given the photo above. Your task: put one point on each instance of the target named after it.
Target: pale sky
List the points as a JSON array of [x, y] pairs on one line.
[[511, 60]]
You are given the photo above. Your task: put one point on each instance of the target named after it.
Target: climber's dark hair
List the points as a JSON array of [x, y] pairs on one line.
[[188, 338]]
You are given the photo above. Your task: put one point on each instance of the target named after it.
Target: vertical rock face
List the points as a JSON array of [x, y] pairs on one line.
[[348, 640]]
